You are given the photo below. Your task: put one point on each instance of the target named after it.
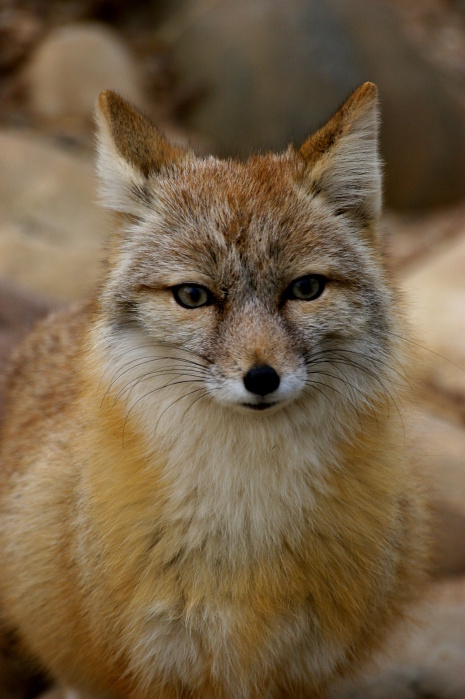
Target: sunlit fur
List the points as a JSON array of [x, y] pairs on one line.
[[159, 536]]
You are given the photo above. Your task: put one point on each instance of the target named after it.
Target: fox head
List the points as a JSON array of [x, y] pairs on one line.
[[252, 286]]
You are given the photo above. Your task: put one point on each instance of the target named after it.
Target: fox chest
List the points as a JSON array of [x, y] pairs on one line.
[[237, 633]]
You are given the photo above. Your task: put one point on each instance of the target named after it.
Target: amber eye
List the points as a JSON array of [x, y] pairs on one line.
[[306, 288], [191, 295]]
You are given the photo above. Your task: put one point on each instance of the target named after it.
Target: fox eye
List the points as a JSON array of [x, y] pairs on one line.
[[191, 295], [306, 288]]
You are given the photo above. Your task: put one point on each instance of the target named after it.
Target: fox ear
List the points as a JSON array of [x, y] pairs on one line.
[[130, 152], [341, 160]]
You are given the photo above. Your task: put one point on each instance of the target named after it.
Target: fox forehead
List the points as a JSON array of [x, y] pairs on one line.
[[224, 219], [230, 195]]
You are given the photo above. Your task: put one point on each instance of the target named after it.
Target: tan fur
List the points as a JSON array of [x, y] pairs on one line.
[[160, 539]]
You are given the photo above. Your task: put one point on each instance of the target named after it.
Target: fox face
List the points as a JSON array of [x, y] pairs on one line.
[[254, 286]]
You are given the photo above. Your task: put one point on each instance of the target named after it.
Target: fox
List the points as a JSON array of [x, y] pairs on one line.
[[206, 490]]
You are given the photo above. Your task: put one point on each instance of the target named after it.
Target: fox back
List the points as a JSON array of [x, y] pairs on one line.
[[205, 484]]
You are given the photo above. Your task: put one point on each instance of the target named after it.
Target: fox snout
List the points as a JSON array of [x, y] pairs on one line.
[[255, 364]]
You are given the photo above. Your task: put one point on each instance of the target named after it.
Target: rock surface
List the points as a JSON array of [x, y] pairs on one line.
[[72, 66], [435, 296], [51, 231]]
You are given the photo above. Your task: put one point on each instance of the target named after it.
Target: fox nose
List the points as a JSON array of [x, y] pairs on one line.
[[261, 380]]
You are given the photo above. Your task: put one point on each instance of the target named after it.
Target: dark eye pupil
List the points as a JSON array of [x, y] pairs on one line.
[[191, 295], [307, 288], [194, 294]]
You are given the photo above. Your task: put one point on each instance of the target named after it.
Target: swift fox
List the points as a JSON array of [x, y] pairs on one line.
[[205, 488]]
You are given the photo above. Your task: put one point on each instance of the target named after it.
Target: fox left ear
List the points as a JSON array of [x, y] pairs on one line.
[[130, 153], [341, 160]]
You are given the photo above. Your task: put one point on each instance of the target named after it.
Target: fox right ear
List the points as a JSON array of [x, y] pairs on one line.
[[341, 160], [131, 152]]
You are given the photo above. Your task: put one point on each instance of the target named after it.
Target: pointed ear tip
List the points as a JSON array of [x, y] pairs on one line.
[[367, 92], [106, 99], [369, 87], [102, 107], [103, 98]]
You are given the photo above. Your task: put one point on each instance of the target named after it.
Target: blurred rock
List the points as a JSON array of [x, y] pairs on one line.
[[460, 5], [434, 291], [19, 30], [51, 231], [71, 67], [437, 27], [275, 71], [411, 236], [428, 661]]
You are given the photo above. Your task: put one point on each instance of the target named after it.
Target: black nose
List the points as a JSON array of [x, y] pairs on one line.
[[261, 380]]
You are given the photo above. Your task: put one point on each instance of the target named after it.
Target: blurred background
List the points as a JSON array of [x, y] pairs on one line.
[[231, 77]]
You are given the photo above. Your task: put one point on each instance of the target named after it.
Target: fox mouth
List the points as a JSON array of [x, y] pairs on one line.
[[259, 406]]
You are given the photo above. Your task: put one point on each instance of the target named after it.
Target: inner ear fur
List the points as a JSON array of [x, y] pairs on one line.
[[131, 152], [341, 160]]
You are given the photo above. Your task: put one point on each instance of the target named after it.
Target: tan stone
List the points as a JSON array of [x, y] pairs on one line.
[[51, 230], [72, 66], [435, 297], [440, 448], [413, 237]]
